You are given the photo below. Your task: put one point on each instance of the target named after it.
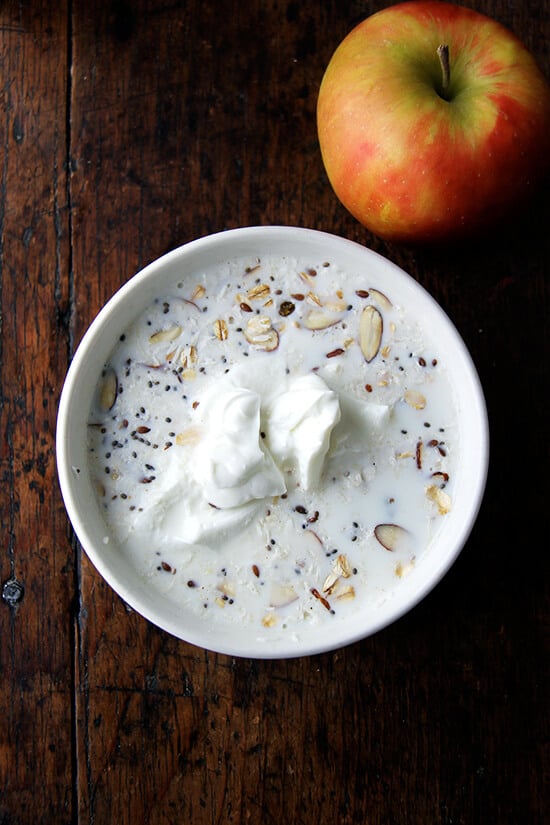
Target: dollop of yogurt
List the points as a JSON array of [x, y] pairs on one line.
[[231, 465], [299, 426], [251, 442]]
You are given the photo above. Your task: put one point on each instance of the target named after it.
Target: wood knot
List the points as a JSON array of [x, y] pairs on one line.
[[12, 592]]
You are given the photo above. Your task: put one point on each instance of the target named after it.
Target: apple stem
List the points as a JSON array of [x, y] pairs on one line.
[[443, 54]]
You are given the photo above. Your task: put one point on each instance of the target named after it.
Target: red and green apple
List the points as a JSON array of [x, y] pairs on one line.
[[433, 122]]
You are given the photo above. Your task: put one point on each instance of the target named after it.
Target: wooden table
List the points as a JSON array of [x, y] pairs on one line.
[[127, 129]]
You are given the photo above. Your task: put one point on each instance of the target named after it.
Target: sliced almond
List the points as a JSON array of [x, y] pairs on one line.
[[108, 390], [282, 594], [440, 497], [335, 304], [370, 332], [378, 297], [261, 334], [317, 319], [314, 539], [169, 334], [344, 593], [391, 536], [415, 399]]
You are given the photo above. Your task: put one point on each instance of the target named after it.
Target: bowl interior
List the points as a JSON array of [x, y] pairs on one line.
[[100, 339]]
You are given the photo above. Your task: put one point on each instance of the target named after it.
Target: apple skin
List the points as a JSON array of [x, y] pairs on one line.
[[412, 166]]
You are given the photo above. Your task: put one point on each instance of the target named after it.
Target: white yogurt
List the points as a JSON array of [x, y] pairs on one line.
[[268, 451]]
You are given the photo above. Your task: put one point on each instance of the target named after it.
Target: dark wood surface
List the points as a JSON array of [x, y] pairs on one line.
[[129, 128]]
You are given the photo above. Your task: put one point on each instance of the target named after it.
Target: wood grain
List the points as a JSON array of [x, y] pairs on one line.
[[128, 129], [37, 561]]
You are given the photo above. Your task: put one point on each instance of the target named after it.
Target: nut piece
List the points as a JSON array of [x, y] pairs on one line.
[[220, 330], [370, 332], [316, 319], [415, 399], [261, 334], [440, 497], [382, 300], [169, 334], [282, 594], [345, 593], [109, 390], [335, 304], [391, 536]]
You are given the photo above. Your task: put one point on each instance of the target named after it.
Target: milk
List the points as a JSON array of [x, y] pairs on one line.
[[309, 554]]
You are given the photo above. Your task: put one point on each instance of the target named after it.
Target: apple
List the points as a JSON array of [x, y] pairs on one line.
[[433, 122]]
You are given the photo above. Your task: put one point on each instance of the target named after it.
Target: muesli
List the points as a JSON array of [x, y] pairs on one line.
[[273, 442]]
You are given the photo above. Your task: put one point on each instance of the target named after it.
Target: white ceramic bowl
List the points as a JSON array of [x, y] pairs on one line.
[[76, 399]]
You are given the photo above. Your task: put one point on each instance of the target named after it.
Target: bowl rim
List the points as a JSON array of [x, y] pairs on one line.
[[68, 475]]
